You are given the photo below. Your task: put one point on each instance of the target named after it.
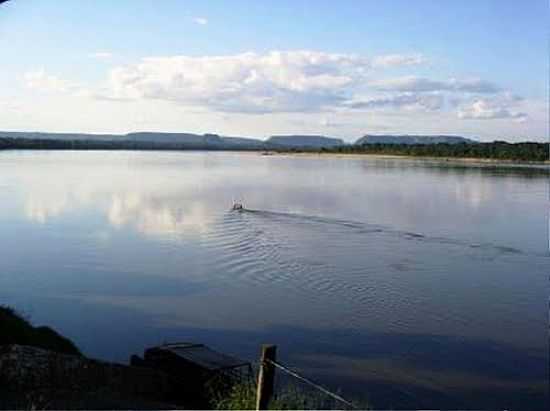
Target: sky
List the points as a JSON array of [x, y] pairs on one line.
[[254, 68]]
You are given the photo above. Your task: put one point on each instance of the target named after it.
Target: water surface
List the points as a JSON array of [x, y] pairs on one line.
[[411, 284]]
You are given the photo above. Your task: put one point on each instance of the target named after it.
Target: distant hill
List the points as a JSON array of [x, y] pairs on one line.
[[148, 139], [180, 140], [206, 140], [405, 145], [304, 141], [145, 136], [411, 139]]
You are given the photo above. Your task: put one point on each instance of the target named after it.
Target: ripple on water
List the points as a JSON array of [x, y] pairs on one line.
[[334, 260]]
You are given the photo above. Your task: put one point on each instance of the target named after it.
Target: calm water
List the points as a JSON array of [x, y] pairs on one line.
[[412, 284]]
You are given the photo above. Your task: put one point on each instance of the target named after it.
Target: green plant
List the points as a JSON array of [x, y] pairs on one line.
[[291, 397]]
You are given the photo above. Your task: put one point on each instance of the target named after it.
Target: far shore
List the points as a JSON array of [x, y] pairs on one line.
[[464, 161], [445, 160]]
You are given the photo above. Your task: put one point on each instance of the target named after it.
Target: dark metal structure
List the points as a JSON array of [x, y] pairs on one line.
[[197, 371], [188, 358], [196, 364]]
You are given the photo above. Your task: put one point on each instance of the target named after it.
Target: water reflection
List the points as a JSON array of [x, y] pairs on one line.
[[167, 193], [406, 277], [159, 216], [39, 211]]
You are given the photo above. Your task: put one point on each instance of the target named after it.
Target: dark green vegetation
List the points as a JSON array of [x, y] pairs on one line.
[[411, 139], [243, 397], [498, 150], [18, 330], [47, 144], [291, 397], [140, 140]]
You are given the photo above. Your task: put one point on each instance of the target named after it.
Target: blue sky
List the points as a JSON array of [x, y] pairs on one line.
[[255, 68]]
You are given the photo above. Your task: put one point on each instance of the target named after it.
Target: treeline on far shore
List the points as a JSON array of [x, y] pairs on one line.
[[47, 144], [497, 150]]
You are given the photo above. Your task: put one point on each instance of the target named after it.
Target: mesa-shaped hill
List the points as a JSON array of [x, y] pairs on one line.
[[309, 141]]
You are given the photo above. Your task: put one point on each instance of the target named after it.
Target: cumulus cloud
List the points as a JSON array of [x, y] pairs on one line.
[[300, 81], [422, 84], [277, 81], [247, 82], [200, 20], [483, 109]]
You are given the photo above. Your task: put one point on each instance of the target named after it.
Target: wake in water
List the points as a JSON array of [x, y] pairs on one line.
[[365, 270], [304, 218], [366, 228]]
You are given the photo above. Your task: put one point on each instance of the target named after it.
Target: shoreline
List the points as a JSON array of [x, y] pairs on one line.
[[431, 159], [460, 161]]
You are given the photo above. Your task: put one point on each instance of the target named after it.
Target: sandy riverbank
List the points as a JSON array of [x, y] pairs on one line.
[[432, 160]]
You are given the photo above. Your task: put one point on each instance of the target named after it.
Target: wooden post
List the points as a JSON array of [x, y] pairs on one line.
[[266, 377]]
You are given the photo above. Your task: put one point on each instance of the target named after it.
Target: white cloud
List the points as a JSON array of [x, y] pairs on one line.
[[10, 106], [277, 81], [285, 83], [422, 84], [331, 123], [200, 20], [393, 60], [484, 109], [101, 55], [248, 82]]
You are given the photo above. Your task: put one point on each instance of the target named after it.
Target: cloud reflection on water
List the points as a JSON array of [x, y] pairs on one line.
[[171, 193], [159, 216]]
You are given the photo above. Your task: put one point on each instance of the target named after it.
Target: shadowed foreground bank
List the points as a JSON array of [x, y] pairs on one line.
[[36, 378], [40, 369]]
